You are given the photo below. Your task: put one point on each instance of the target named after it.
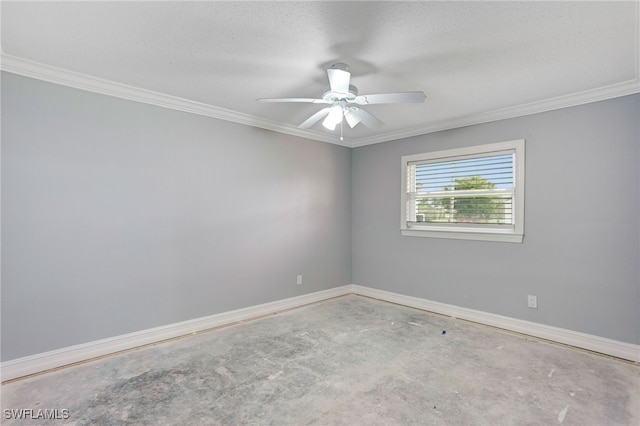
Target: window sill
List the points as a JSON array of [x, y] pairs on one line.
[[466, 234]]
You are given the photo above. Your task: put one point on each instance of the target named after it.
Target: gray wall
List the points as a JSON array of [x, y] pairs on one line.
[[119, 216], [580, 254]]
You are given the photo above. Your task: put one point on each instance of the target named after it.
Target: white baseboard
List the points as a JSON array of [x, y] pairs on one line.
[[590, 342], [38, 363]]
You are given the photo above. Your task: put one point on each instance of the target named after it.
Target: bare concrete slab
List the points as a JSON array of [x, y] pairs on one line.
[[346, 361]]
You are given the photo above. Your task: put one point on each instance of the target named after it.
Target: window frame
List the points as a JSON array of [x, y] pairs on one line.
[[500, 233]]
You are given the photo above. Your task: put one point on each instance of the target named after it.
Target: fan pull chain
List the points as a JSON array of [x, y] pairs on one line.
[[341, 126]]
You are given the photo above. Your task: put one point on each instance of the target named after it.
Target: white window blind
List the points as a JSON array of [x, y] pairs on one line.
[[473, 190]]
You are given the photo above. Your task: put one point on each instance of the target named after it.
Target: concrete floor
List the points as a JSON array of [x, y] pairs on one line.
[[350, 360]]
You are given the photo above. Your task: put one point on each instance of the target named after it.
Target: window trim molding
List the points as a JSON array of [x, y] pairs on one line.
[[514, 234]]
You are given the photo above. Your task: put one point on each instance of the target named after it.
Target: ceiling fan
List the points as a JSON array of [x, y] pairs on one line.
[[345, 102]]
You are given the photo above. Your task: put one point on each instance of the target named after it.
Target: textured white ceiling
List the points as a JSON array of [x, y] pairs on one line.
[[470, 58]]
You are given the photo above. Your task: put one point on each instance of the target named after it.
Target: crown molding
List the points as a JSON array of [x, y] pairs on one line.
[[39, 71], [28, 68], [574, 99]]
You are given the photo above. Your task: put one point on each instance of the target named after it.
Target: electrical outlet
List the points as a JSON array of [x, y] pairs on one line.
[[532, 302], [299, 280]]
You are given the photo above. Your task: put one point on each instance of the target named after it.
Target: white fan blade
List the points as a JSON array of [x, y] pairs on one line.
[[352, 118], [339, 80], [367, 119], [391, 98], [314, 118], [307, 100]]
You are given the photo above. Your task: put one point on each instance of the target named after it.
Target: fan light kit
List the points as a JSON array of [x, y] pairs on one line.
[[345, 102]]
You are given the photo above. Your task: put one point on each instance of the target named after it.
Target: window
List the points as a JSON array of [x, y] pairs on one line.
[[474, 193]]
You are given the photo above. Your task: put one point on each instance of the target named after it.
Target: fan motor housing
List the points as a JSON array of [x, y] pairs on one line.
[[332, 97]]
